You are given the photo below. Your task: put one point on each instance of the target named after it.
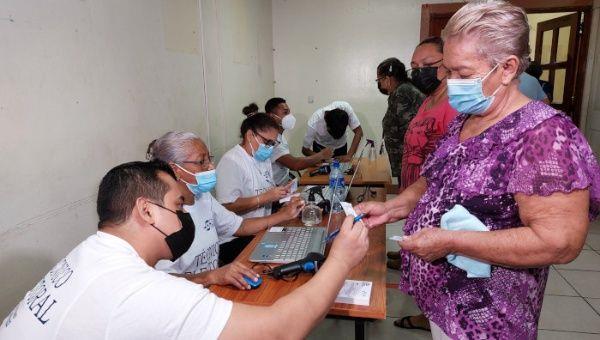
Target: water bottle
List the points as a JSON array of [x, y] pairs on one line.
[[372, 154], [336, 186]]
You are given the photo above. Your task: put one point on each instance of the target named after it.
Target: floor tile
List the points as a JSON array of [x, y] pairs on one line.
[[595, 227], [393, 276], [593, 241], [385, 329], [585, 283], [391, 230], [566, 313], [595, 303], [400, 304], [587, 260], [333, 329], [557, 335], [556, 285]]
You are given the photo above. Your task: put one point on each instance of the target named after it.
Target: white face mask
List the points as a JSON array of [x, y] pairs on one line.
[[288, 122]]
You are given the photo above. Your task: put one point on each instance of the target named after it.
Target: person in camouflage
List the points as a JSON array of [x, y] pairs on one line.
[[404, 100]]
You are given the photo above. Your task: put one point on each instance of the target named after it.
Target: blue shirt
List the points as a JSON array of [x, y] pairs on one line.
[[531, 87]]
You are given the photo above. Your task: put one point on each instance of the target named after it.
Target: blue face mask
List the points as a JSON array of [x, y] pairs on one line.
[[466, 95], [263, 153], [205, 181]]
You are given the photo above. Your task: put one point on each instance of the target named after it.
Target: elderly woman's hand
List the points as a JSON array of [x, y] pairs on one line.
[[429, 244]]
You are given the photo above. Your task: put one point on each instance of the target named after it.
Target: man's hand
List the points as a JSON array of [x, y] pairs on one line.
[[376, 213], [233, 274], [351, 244], [291, 209], [344, 158], [276, 193], [429, 244], [326, 153]]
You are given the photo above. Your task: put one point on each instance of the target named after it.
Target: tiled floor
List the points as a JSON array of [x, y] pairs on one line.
[[571, 308]]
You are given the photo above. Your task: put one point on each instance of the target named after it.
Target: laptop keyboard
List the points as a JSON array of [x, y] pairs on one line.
[[295, 247]]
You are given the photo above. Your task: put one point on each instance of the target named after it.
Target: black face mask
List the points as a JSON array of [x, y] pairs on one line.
[[425, 79], [180, 241]]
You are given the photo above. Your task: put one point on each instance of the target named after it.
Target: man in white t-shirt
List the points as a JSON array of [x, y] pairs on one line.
[[281, 160], [327, 128], [107, 288]]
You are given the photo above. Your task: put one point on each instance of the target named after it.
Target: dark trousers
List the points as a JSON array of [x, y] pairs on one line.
[[230, 250], [341, 151]]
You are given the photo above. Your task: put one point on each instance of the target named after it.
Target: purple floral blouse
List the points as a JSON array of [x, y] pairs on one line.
[[535, 150]]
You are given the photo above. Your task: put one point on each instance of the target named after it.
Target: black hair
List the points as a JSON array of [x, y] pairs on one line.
[[249, 110], [124, 184], [337, 121], [435, 40], [534, 69], [256, 121], [272, 104], [392, 67]]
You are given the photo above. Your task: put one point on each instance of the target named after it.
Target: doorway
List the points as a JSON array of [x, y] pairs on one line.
[[560, 44]]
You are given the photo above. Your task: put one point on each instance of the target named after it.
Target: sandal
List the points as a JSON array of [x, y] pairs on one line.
[[407, 324]]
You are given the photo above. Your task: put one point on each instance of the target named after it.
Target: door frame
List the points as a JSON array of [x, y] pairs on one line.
[[432, 11]]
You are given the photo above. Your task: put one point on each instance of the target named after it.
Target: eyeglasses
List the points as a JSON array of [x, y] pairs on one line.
[[424, 65], [207, 160], [379, 79], [268, 142]]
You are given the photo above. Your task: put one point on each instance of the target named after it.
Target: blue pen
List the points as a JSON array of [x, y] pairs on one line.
[[333, 234]]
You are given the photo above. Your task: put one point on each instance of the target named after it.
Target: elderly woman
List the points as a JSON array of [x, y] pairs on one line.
[[192, 164], [518, 166]]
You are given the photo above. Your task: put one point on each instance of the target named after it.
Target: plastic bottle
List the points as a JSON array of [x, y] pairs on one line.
[[311, 214], [336, 186]]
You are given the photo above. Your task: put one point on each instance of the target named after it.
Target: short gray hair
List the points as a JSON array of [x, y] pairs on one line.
[[502, 30], [171, 147]]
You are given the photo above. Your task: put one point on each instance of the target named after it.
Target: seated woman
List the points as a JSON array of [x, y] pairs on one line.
[[327, 129], [192, 164], [282, 161], [246, 185], [520, 167]]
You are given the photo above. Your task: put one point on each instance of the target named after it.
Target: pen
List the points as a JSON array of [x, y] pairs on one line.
[[333, 234]]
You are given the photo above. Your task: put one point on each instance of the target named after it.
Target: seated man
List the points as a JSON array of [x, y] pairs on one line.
[[107, 288], [327, 128], [282, 161]]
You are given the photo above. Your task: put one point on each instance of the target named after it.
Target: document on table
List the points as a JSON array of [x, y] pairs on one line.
[[355, 292]]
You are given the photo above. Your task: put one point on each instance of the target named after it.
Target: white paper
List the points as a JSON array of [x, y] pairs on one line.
[[276, 229], [355, 292], [293, 189], [397, 238], [348, 209]]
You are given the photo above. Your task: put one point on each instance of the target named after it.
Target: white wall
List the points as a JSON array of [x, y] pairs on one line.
[[85, 85], [592, 92], [330, 50], [239, 57]]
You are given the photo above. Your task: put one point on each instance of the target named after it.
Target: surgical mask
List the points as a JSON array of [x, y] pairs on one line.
[[205, 181], [288, 122], [263, 153], [180, 241], [466, 95], [425, 79]]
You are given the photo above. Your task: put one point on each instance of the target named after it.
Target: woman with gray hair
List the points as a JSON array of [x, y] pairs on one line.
[[513, 185], [192, 164]]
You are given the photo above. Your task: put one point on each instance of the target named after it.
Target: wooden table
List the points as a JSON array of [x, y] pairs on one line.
[[372, 268], [375, 173]]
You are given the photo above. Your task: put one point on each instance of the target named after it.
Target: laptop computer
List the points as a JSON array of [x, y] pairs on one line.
[[288, 244]]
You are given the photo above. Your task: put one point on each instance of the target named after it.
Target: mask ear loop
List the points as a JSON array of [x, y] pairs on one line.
[[181, 179], [497, 88]]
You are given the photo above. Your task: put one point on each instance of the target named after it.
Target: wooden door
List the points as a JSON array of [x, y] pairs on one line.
[[556, 51]]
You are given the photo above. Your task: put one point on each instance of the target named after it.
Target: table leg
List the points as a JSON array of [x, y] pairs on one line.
[[360, 329]]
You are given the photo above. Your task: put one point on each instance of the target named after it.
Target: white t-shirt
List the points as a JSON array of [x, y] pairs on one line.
[[213, 223], [281, 173], [103, 290], [317, 128], [240, 175]]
